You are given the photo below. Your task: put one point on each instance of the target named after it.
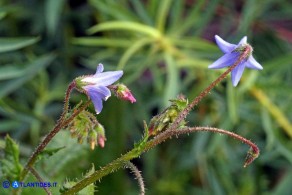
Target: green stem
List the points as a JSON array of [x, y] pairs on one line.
[[120, 162], [109, 168]]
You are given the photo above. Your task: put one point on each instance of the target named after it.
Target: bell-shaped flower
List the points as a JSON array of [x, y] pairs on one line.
[[232, 53], [96, 86]]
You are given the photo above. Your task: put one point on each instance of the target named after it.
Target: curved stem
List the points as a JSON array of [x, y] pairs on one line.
[[48, 138], [120, 162], [138, 175], [169, 133]]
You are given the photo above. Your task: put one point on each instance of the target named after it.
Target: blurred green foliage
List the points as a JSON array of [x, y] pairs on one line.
[[164, 48]]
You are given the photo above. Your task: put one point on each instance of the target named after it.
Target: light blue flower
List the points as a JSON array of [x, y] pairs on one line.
[[96, 88], [232, 53]]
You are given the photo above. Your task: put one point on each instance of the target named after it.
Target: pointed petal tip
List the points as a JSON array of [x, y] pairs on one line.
[[243, 40], [217, 37], [224, 46], [236, 74], [253, 64], [99, 68], [234, 83]]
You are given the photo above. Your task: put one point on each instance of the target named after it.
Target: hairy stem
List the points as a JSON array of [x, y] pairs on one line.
[[109, 168], [138, 175], [120, 162], [206, 91], [71, 86], [169, 133], [48, 138], [39, 178]]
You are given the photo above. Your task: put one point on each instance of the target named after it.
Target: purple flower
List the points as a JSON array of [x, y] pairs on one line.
[[232, 53], [95, 85]]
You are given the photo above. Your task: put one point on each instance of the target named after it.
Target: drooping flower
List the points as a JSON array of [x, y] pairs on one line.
[[96, 86], [232, 53]]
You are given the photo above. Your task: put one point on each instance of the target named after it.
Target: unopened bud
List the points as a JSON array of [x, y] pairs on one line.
[[97, 137], [122, 92]]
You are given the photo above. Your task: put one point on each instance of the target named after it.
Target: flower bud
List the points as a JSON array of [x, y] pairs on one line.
[[122, 92], [162, 121], [96, 136]]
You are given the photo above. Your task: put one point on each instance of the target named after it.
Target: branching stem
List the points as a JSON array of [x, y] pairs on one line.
[[119, 163], [62, 122]]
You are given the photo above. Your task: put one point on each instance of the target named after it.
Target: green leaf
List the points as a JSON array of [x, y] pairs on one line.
[[172, 82], [2, 14], [162, 14], [141, 11], [11, 168], [97, 41], [132, 50], [129, 26], [190, 20], [8, 125], [231, 103], [32, 69], [53, 14], [119, 11], [284, 185], [49, 152], [10, 44]]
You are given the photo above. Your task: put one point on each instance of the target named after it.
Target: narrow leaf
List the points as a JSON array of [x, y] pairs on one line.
[[10, 44], [129, 26], [49, 152], [33, 68]]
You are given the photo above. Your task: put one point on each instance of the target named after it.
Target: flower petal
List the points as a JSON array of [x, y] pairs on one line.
[[253, 64], [243, 40], [226, 60], [97, 102], [96, 94], [223, 45], [236, 73], [104, 78], [99, 68]]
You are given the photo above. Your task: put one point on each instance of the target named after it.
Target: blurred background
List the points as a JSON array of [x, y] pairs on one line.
[[164, 48]]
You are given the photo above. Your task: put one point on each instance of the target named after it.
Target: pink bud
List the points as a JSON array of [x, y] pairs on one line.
[[123, 92], [127, 95], [101, 141]]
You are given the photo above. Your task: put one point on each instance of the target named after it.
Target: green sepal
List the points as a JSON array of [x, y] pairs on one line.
[[162, 121]]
